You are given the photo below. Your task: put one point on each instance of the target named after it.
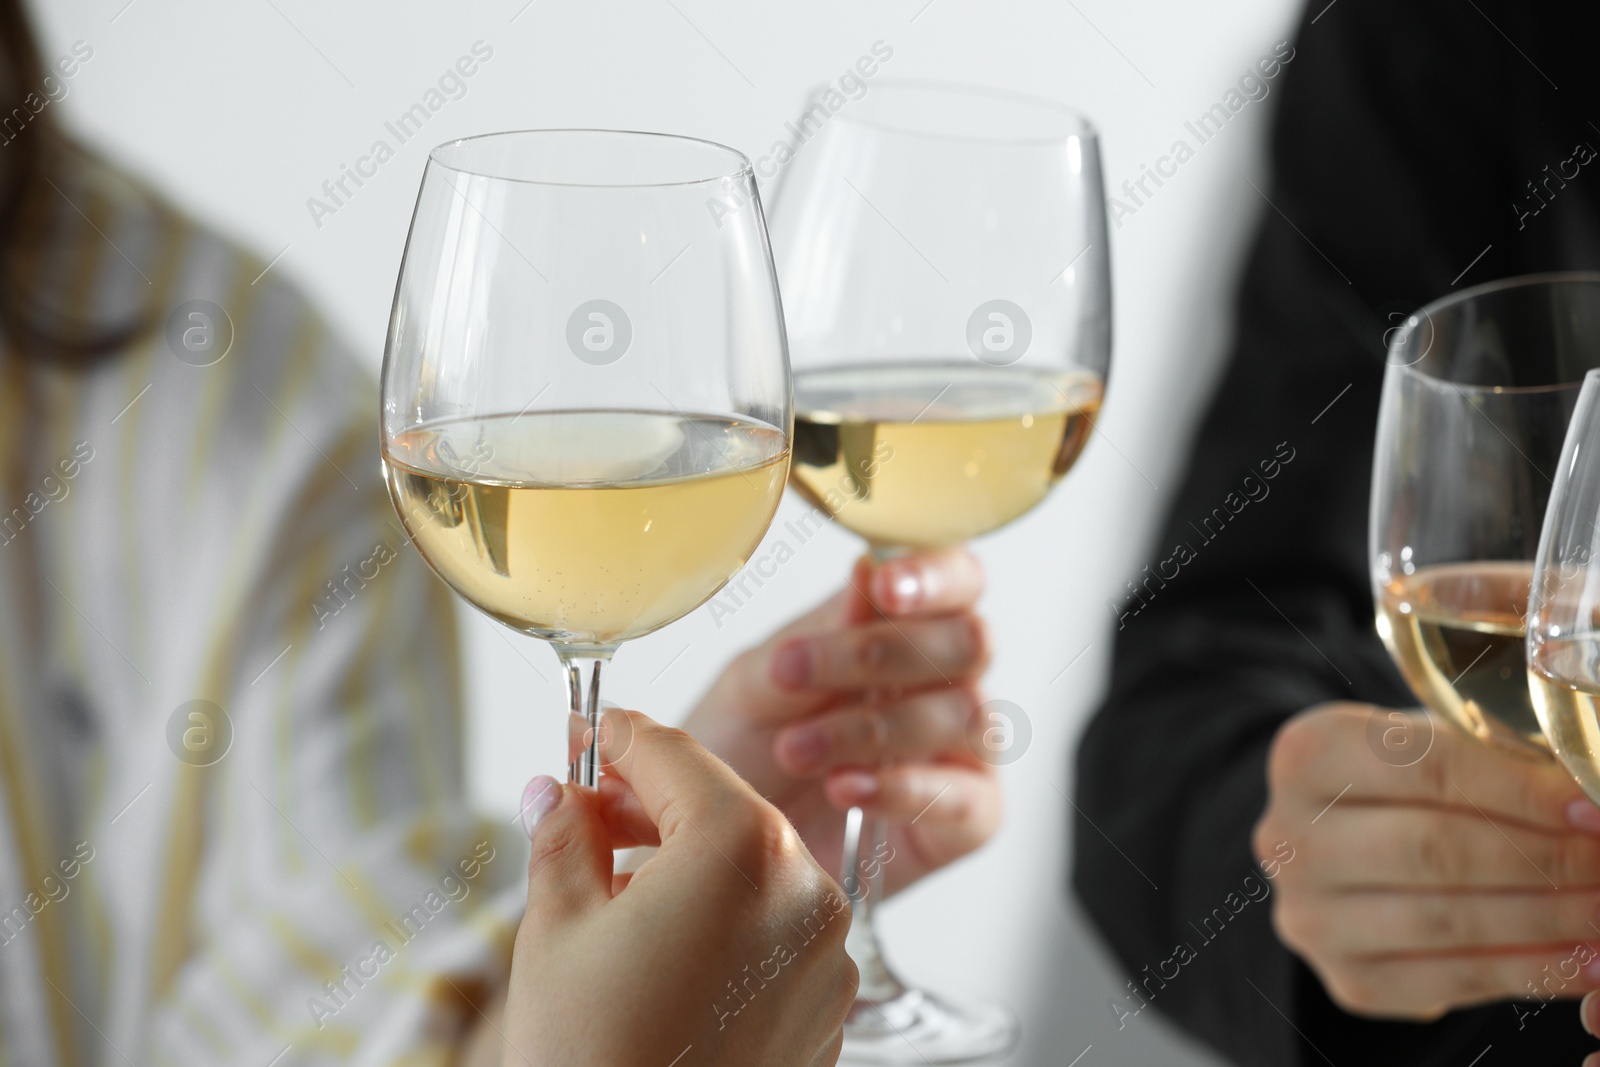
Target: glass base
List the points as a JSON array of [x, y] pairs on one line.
[[918, 1028]]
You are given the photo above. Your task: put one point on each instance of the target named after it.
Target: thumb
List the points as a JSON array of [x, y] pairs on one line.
[[569, 871]]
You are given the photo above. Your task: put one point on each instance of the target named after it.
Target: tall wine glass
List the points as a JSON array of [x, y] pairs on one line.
[[945, 270], [1476, 399], [586, 398], [1563, 645]]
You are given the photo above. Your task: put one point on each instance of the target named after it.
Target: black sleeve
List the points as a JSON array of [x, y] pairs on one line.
[[1397, 150]]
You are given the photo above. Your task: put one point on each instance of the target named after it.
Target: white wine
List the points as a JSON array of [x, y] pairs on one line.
[[1456, 631], [930, 454], [1564, 678], [587, 527]]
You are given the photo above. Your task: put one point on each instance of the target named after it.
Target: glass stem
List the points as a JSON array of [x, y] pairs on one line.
[[863, 884], [862, 870], [583, 700]]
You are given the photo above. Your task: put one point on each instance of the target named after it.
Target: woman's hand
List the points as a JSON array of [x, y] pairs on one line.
[[726, 948], [886, 670], [1466, 877]]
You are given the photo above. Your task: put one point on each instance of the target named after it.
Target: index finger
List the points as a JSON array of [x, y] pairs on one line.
[[674, 779], [1338, 752]]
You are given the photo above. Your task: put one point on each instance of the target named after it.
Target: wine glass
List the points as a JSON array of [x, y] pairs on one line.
[[1476, 399], [1563, 645], [586, 398], [943, 256]]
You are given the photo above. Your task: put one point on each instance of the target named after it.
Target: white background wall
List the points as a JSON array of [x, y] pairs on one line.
[[241, 111]]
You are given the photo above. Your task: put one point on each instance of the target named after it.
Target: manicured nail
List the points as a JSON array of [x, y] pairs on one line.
[[538, 800], [1586, 1010], [899, 587], [803, 749], [1583, 815], [858, 787], [791, 665]]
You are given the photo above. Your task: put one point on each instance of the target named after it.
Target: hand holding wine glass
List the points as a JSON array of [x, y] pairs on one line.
[[887, 669], [1448, 869], [586, 424], [1417, 885], [943, 253], [648, 960]]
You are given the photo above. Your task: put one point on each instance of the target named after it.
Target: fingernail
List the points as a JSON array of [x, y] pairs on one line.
[[539, 799], [899, 587], [803, 749], [857, 786], [791, 665], [1583, 815], [1585, 1008]]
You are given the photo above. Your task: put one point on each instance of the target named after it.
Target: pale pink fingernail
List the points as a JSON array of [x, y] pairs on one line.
[[791, 665], [857, 786], [1587, 1007], [1583, 815], [900, 587], [804, 748], [539, 799]]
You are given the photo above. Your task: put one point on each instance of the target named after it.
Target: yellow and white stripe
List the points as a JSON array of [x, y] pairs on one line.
[[182, 563]]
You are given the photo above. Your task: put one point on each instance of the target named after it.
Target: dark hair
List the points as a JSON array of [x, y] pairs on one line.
[[34, 165]]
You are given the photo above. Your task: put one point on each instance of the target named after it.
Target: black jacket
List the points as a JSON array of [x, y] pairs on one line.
[[1407, 134]]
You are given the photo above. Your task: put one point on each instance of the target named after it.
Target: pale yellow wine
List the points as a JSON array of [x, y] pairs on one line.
[[1564, 679], [1456, 632], [929, 454], [587, 527]]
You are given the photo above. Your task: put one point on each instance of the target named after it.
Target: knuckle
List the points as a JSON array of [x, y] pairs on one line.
[[760, 839], [1572, 860], [1531, 794], [1446, 926], [861, 735], [1436, 851], [1272, 833], [1436, 770], [977, 646], [875, 732], [1467, 985], [556, 842], [929, 723], [1265, 835], [820, 912], [849, 981], [1296, 749], [872, 651], [1300, 924], [750, 671], [1353, 990]]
